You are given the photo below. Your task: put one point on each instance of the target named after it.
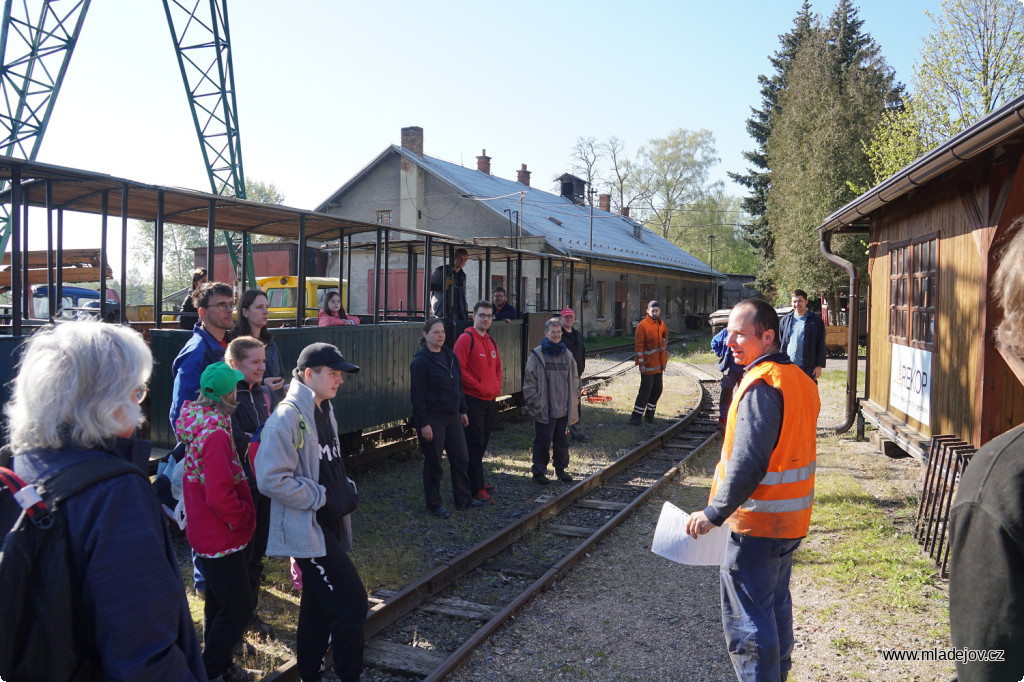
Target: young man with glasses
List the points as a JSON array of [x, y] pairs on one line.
[[215, 302], [481, 382]]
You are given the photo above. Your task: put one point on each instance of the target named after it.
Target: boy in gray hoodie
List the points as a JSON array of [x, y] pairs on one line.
[[299, 467]]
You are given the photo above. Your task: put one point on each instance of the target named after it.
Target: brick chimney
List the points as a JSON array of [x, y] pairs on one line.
[[523, 176], [483, 162], [625, 211], [604, 202], [412, 139]]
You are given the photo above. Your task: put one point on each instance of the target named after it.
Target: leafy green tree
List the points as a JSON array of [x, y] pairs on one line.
[[971, 63], [837, 90], [758, 178], [673, 173]]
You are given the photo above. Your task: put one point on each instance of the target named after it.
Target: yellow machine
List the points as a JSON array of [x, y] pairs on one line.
[[282, 293]]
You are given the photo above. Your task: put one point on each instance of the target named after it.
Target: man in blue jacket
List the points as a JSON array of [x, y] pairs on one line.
[[803, 336], [215, 303]]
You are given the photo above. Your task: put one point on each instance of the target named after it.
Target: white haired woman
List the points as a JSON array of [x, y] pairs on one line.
[[76, 399]]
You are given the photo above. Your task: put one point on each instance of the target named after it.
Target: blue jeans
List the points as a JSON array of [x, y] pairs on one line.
[[757, 610]]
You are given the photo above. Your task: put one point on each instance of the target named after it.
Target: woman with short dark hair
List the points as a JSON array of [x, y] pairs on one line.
[[439, 414]]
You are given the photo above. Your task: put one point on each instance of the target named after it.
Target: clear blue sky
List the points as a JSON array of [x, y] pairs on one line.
[[324, 86]]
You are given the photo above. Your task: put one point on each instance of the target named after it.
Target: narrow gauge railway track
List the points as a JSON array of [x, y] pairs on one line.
[[568, 525]]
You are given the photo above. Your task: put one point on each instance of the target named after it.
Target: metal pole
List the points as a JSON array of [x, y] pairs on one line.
[[60, 253], [210, 221], [104, 209], [376, 279], [348, 290], [300, 298], [50, 285], [387, 284], [158, 261], [428, 245], [16, 302], [341, 267], [122, 311]]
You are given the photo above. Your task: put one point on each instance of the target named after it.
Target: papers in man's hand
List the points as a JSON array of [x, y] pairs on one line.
[[672, 542]]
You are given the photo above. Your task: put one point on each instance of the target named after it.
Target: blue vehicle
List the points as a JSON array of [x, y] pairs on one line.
[[73, 303]]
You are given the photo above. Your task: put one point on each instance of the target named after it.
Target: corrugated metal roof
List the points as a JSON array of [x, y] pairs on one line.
[[565, 226]]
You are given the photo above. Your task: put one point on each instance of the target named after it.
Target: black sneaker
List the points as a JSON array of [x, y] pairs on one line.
[[541, 478], [635, 420], [474, 504], [563, 475], [439, 512], [650, 416]]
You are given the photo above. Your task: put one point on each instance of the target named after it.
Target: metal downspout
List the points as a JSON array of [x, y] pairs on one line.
[[853, 318]]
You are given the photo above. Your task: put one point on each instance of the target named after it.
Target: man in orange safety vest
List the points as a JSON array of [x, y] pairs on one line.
[[764, 489]]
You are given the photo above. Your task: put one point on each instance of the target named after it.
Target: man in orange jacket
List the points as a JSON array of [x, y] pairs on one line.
[[764, 488], [651, 346]]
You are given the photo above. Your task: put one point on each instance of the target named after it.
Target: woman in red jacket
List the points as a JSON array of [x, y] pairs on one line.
[[221, 516]]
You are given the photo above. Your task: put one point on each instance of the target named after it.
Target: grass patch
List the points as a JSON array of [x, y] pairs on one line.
[[853, 543]]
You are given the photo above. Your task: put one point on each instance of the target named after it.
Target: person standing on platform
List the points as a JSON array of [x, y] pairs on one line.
[[803, 336], [986, 524], [215, 303], [448, 289], [573, 340], [188, 315], [439, 415], [503, 310], [732, 373], [481, 382], [253, 315], [300, 468], [764, 488], [651, 346], [551, 389], [221, 517], [210, 336]]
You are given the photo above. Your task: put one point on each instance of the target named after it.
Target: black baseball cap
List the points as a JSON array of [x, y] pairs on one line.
[[324, 355]]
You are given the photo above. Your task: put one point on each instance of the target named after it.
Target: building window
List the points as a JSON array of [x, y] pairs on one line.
[[599, 303], [383, 217], [647, 294], [913, 283]]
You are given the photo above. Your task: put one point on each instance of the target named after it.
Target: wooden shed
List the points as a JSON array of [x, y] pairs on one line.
[[935, 231]]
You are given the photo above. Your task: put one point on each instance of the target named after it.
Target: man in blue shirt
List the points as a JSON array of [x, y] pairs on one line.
[[803, 336]]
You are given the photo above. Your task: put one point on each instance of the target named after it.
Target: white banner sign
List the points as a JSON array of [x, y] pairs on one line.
[[910, 389]]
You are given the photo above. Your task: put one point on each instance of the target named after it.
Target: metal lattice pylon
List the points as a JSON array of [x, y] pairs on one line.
[[203, 46], [36, 43]]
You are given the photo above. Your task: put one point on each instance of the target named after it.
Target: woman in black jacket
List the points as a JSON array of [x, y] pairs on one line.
[[439, 414]]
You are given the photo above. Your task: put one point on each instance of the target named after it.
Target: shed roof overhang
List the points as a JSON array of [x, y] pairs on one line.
[[84, 191], [984, 135]]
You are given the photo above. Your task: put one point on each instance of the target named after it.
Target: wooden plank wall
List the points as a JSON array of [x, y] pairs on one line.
[[956, 336]]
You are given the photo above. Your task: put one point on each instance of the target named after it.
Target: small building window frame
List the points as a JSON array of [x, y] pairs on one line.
[[913, 291], [384, 217], [599, 303]]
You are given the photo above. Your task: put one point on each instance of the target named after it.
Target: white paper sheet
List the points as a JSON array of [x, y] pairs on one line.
[[672, 542]]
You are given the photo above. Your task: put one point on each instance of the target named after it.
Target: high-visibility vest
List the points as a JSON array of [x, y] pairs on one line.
[[651, 344], [780, 506]]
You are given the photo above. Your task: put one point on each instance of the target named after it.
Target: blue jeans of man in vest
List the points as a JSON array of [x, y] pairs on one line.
[[757, 610]]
